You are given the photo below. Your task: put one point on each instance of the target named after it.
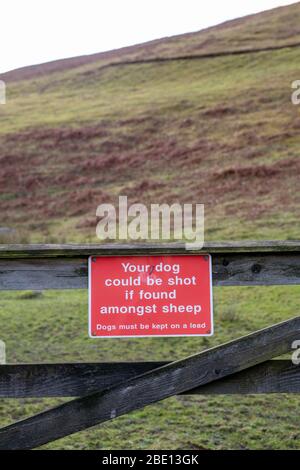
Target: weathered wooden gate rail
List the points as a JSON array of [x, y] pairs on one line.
[[112, 389], [75, 380], [65, 266]]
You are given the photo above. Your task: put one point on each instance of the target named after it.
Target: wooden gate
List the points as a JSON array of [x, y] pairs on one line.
[[108, 390]]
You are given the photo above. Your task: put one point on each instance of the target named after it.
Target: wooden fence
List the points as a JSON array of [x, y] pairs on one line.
[[108, 390]]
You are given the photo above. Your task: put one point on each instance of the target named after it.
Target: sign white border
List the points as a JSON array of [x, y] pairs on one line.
[[158, 335]]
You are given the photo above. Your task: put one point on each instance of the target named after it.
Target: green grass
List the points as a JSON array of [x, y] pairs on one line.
[[128, 91], [53, 328]]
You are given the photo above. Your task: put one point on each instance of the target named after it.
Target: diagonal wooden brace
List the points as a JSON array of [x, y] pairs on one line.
[[151, 387]]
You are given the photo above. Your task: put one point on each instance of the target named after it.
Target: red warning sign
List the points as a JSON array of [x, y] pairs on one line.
[[138, 296]]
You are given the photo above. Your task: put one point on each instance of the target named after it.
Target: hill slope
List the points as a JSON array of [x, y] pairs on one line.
[[219, 130]]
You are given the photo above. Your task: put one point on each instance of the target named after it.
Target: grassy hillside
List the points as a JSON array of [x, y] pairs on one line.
[[211, 131], [276, 27], [53, 328], [221, 131]]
